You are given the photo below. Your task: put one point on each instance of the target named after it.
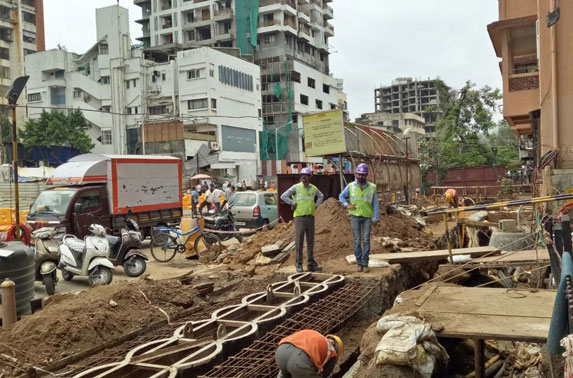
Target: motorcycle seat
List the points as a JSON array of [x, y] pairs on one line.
[[114, 243]]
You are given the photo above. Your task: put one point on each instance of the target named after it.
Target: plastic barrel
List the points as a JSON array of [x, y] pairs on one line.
[[17, 264]]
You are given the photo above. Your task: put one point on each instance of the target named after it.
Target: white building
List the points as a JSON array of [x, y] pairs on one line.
[[201, 97]]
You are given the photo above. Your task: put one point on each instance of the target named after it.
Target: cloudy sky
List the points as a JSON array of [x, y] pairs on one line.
[[375, 40]]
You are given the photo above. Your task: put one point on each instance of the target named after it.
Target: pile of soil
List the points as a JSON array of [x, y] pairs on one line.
[[72, 323], [334, 239]]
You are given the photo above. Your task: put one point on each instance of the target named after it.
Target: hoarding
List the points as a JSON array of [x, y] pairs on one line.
[[237, 139], [324, 133]]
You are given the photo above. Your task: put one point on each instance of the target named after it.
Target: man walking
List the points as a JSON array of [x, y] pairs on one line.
[[207, 201], [194, 200], [363, 209], [217, 194], [301, 197]]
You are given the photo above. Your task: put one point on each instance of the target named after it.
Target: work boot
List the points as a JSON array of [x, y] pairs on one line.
[[299, 269], [314, 268], [365, 269], [359, 269]]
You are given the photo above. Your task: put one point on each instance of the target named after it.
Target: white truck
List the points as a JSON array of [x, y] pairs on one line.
[[105, 189]]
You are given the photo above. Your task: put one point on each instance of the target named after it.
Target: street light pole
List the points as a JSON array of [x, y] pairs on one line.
[[12, 97]]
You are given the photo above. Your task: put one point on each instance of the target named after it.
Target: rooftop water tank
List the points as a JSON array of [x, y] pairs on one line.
[[17, 264]]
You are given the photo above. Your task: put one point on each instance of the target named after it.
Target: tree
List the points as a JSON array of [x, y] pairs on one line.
[[57, 129], [503, 139]]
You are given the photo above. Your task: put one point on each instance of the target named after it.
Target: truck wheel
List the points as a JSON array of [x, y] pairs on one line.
[[67, 275], [100, 275], [49, 283], [135, 266]]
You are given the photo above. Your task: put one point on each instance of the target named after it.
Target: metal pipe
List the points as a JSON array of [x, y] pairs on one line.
[[8, 292], [15, 167], [554, 105]]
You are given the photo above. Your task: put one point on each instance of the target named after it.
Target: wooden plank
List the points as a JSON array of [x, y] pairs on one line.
[[441, 254], [519, 256], [270, 250], [426, 295]]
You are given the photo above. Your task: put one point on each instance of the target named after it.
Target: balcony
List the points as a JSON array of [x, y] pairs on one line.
[[200, 20], [328, 12], [269, 26], [225, 35], [288, 6], [304, 32], [141, 2], [328, 30], [304, 15], [223, 14]]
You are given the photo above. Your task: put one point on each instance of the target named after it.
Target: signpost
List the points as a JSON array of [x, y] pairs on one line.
[[324, 133]]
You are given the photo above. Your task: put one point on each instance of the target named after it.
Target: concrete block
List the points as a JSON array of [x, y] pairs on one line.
[[508, 225]]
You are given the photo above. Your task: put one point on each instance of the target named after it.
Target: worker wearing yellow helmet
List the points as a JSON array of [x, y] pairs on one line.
[[308, 354], [452, 198]]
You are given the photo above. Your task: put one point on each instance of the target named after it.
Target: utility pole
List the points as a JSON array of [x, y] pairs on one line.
[[12, 97], [407, 192]]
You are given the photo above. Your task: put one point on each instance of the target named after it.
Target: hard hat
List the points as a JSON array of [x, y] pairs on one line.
[[306, 171], [338, 344], [417, 190], [362, 169], [449, 197]]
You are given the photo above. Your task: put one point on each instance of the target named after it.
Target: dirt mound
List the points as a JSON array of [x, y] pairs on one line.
[[71, 323], [334, 239]]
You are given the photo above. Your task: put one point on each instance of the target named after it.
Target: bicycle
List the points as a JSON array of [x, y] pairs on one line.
[[172, 244]]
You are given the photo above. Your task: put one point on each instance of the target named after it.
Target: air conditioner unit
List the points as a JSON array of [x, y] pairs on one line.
[[214, 146]]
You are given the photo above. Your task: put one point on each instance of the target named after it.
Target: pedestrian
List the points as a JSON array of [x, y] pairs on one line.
[[452, 198], [208, 201], [361, 200], [301, 197], [194, 200], [227, 194], [243, 186], [217, 194], [308, 354]]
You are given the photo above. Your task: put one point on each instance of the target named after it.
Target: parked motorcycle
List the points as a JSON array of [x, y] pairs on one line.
[[125, 250], [88, 257], [47, 253], [224, 222]]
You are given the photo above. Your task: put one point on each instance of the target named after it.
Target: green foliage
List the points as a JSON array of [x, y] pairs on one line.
[[58, 129], [5, 129]]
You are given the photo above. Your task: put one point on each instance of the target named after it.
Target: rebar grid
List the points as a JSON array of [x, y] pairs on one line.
[[325, 316]]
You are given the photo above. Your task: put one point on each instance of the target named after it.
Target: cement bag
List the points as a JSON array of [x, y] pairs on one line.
[[460, 259], [378, 264]]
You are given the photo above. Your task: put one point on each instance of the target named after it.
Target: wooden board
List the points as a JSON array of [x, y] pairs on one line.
[[519, 256], [441, 254], [487, 313]]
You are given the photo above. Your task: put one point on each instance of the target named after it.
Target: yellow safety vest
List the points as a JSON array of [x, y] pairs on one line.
[[362, 199], [304, 199]]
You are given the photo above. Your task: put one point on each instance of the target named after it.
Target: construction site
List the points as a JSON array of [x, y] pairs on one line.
[[414, 314]]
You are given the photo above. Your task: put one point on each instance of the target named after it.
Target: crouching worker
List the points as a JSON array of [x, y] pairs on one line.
[[308, 354]]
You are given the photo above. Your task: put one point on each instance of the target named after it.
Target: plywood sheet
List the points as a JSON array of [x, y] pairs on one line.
[[441, 254], [519, 256]]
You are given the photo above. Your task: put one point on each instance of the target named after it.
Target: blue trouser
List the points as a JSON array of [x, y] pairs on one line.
[[361, 230]]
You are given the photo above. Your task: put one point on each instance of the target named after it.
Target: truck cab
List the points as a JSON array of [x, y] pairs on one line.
[[74, 208]]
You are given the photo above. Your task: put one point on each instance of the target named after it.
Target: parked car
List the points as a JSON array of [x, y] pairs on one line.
[[255, 209]]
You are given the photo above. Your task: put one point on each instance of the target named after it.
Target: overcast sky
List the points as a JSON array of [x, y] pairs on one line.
[[375, 40]]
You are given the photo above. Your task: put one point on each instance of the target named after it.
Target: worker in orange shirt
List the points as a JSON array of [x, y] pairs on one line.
[[452, 198], [308, 354]]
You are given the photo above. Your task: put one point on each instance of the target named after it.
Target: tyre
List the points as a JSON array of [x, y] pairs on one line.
[[50, 283], [134, 266], [100, 275], [163, 255], [208, 245], [67, 276], [266, 224]]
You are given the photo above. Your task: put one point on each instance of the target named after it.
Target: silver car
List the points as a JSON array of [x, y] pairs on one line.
[[255, 209]]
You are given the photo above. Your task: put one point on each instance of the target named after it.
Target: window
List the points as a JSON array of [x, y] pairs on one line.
[[163, 76], [212, 72], [200, 103], [4, 72], [131, 109], [332, 106], [127, 84], [158, 109], [6, 34], [213, 103], [269, 39], [106, 137], [28, 52], [235, 78], [104, 79], [34, 97], [91, 198], [319, 104], [106, 109], [322, 57], [260, 113], [5, 13], [193, 74], [311, 83], [303, 99], [134, 83], [29, 36], [4, 53], [29, 17], [270, 200], [326, 88]]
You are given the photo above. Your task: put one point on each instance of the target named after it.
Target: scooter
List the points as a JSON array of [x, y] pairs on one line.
[[88, 257], [225, 222], [125, 250], [47, 254]]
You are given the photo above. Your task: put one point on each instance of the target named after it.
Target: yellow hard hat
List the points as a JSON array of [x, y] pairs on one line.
[[449, 197], [339, 344]]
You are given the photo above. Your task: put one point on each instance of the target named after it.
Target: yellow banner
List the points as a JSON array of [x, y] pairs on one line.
[[324, 133]]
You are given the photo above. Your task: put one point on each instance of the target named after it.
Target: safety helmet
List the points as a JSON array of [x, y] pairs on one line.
[[417, 190], [97, 230], [338, 344], [449, 197], [362, 169], [306, 171]]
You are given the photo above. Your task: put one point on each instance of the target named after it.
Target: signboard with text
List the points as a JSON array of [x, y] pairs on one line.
[[237, 139], [324, 133]]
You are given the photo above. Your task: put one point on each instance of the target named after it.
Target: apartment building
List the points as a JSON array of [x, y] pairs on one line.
[[135, 105], [532, 40], [21, 33], [407, 95], [289, 42]]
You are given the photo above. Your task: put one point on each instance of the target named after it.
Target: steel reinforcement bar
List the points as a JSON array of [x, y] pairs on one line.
[[326, 316], [195, 346]]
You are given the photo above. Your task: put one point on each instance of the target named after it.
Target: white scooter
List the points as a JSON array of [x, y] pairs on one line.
[[88, 257]]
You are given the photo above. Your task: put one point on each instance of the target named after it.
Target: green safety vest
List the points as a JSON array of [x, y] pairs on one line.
[[362, 199], [304, 200]]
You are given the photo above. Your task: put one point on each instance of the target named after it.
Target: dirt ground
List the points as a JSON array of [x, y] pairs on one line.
[[334, 240]]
